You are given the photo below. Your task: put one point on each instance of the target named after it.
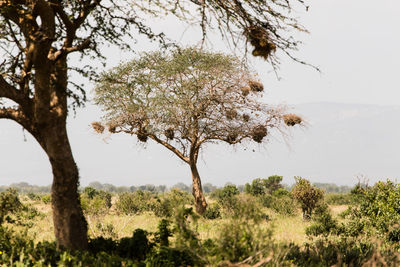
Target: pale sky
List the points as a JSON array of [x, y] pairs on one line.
[[356, 45]]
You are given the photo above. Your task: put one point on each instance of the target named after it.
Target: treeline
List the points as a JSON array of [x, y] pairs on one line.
[[24, 187]]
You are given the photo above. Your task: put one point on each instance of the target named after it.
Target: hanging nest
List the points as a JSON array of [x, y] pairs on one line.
[[231, 137], [246, 117], [259, 39], [142, 136], [112, 127], [231, 114], [98, 127], [292, 119], [245, 90], [169, 133], [256, 86], [259, 133]]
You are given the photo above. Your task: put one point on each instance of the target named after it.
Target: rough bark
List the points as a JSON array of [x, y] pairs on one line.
[[197, 191], [70, 226]]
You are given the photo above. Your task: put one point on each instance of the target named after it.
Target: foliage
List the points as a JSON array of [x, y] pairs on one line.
[[46, 199], [213, 211], [167, 204], [94, 201], [259, 187], [12, 210], [136, 202], [340, 199], [307, 195], [377, 213]]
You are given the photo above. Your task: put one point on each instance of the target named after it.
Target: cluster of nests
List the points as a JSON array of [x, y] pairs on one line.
[[99, 128], [259, 39], [292, 119], [233, 114], [254, 86], [258, 134]]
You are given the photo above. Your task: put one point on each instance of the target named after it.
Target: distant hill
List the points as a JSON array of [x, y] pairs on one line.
[[346, 139]]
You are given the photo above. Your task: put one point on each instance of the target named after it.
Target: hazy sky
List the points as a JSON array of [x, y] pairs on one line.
[[356, 45]]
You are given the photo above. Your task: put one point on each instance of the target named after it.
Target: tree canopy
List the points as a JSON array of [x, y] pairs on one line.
[[184, 99]]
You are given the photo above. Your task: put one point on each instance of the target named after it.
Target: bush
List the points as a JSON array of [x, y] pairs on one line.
[[46, 199], [226, 197], [166, 205], [212, 212], [136, 202], [307, 195], [95, 201], [259, 187]]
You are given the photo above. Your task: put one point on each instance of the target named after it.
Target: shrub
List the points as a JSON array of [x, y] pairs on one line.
[[259, 187], [135, 247], [213, 211], [95, 201], [226, 197], [136, 202], [33, 196], [166, 205], [307, 195], [46, 199]]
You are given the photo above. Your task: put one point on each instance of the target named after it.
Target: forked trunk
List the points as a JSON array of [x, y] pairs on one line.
[[70, 227], [200, 200]]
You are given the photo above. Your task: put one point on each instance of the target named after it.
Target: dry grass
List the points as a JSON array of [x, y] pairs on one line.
[[285, 228]]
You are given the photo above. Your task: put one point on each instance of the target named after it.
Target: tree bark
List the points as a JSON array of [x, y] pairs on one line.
[[70, 227], [197, 191]]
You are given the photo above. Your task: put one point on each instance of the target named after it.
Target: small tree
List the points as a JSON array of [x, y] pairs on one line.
[[307, 195], [183, 100], [260, 186]]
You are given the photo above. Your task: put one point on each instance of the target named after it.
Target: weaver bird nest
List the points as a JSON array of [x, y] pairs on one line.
[[231, 137], [245, 90], [292, 119], [98, 127], [259, 39], [256, 86], [112, 127], [259, 133], [142, 136], [169, 133]]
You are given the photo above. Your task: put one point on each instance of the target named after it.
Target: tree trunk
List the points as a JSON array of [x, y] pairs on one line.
[[200, 200], [70, 227]]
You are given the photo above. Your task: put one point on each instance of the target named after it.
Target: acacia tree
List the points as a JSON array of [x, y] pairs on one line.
[[183, 100], [37, 37]]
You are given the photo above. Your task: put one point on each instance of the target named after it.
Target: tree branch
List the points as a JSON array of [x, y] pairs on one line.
[[10, 92], [16, 115], [170, 147]]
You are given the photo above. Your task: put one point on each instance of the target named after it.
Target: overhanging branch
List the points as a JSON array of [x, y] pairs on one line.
[[10, 92], [16, 115]]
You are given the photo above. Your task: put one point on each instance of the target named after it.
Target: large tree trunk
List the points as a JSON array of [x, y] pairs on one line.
[[200, 200], [70, 227]]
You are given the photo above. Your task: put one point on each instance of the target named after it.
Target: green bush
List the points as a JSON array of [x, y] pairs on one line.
[[259, 187], [226, 197], [94, 201], [136, 202], [307, 195], [46, 199], [167, 204], [213, 211]]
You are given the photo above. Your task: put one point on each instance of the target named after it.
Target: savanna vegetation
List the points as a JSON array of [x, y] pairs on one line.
[[261, 226]]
